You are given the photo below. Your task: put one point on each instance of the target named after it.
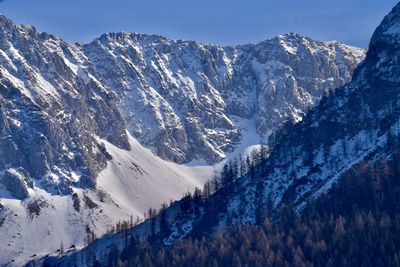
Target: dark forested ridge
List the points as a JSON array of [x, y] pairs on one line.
[[355, 224]]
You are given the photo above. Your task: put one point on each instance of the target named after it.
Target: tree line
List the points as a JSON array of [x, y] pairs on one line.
[[356, 223]]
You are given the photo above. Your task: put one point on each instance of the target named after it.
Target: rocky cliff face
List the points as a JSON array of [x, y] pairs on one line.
[[186, 100], [49, 115]]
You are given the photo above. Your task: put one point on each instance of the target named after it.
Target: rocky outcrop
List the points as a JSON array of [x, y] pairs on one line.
[[17, 181], [50, 116]]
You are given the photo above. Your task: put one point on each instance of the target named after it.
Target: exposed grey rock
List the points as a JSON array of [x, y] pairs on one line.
[[17, 182], [185, 99], [35, 206], [50, 116]]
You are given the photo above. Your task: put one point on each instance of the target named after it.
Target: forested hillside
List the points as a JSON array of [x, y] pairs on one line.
[[355, 224]]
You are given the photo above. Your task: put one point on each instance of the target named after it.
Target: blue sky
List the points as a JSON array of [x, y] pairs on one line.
[[216, 21]]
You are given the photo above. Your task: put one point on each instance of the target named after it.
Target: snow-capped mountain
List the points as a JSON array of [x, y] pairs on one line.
[[358, 124], [192, 97], [93, 133], [184, 100]]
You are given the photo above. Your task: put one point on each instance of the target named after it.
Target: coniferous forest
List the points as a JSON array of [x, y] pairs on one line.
[[355, 224]]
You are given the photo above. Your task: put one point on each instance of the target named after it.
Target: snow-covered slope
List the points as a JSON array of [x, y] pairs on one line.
[[82, 123], [137, 180], [133, 182]]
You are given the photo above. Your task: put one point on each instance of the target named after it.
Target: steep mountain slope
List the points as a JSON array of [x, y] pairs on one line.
[[48, 116], [359, 123], [192, 97], [132, 182], [75, 121], [356, 223]]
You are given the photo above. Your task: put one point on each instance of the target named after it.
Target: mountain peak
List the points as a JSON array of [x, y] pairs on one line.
[[7, 25], [291, 35], [130, 36], [389, 30], [4, 19]]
